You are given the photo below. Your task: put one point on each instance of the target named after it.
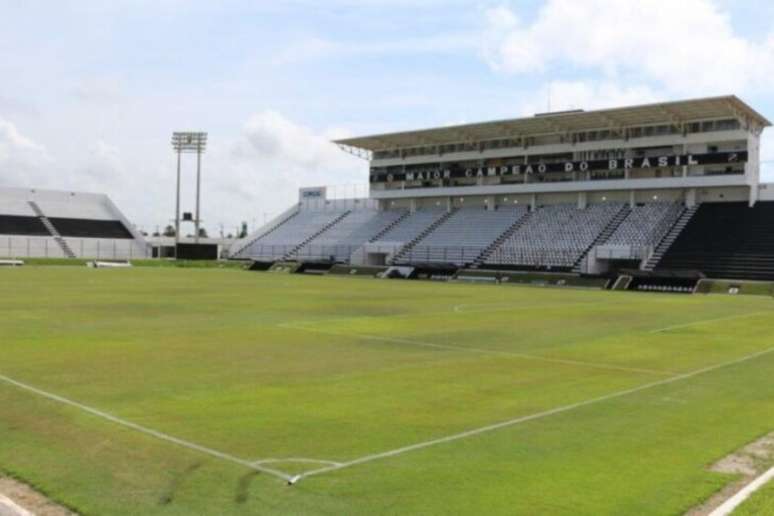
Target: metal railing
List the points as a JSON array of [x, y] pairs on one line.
[[42, 247], [343, 253], [458, 255], [336, 253]]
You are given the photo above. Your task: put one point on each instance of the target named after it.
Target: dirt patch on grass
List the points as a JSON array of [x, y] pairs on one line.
[[748, 462], [27, 498]]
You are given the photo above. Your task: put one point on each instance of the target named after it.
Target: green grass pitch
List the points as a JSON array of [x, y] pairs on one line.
[[614, 402]]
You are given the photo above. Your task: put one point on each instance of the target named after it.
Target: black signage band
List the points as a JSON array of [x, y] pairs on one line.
[[614, 164]]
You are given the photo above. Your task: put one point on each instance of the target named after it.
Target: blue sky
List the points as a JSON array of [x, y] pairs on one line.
[[91, 90]]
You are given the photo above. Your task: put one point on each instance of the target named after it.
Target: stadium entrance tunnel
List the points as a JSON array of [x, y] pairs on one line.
[[678, 282]]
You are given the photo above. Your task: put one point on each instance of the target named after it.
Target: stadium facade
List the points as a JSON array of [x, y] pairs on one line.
[[672, 186]]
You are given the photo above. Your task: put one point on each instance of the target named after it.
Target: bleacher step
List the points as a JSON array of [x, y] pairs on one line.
[[68, 252], [669, 238], [518, 223], [421, 236], [289, 255], [604, 236]]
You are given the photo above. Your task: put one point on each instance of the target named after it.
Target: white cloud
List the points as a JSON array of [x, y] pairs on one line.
[[566, 95], [687, 47], [21, 158], [257, 172], [262, 170], [103, 168], [270, 136], [316, 48], [100, 90]]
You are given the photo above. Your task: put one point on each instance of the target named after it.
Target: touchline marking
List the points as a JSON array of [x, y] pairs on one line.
[[296, 459], [505, 307], [735, 501], [706, 321], [483, 351], [532, 417], [9, 507], [148, 431]]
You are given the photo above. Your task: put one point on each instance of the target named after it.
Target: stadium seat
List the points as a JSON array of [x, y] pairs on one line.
[[555, 236]]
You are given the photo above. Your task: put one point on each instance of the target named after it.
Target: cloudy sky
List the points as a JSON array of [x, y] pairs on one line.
[[90, 91]]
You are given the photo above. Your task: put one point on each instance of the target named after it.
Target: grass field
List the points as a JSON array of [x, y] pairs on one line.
[[611, 402], [760, 503]]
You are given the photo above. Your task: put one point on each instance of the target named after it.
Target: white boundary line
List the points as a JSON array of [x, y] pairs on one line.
[[532, 417], [503, 307], [145, 430], [735, 501], [9, 508], [481, 351], [297, 459], [706, 321]]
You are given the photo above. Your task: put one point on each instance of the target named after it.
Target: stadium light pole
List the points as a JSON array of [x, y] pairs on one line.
[[177, 204], [199, 151], [189, 142]]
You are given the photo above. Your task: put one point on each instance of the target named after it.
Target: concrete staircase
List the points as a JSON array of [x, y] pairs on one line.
[[432, 227], [604, 236], [289, 254], [670, 238], [52, 230], [384, 231], [271, 229], [486, 253]]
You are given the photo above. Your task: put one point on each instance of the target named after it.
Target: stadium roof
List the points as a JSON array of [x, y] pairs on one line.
[[563, 122]]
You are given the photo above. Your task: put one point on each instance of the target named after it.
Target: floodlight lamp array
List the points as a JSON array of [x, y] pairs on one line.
[[189, 141]]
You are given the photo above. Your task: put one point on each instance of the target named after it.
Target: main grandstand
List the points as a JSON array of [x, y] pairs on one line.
[[54, 224], [653, 188]]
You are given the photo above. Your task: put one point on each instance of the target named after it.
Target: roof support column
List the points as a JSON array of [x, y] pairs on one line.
[[690, 198], [526, 176], [685, 167], [490, 202]]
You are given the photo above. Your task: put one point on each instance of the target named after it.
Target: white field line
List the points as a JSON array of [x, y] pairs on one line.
[[148, 431], [707, 321], [298, 459], [533, 417], [735, 501], [481, 351], [9, 508], [503, 307]]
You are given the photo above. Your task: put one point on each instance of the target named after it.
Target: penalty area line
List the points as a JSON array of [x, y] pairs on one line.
[[707, 321], [533, 417], [147, 431], [297, 459], [481, 351]]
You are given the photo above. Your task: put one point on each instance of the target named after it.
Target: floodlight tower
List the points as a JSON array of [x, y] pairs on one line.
[[189, 142]]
